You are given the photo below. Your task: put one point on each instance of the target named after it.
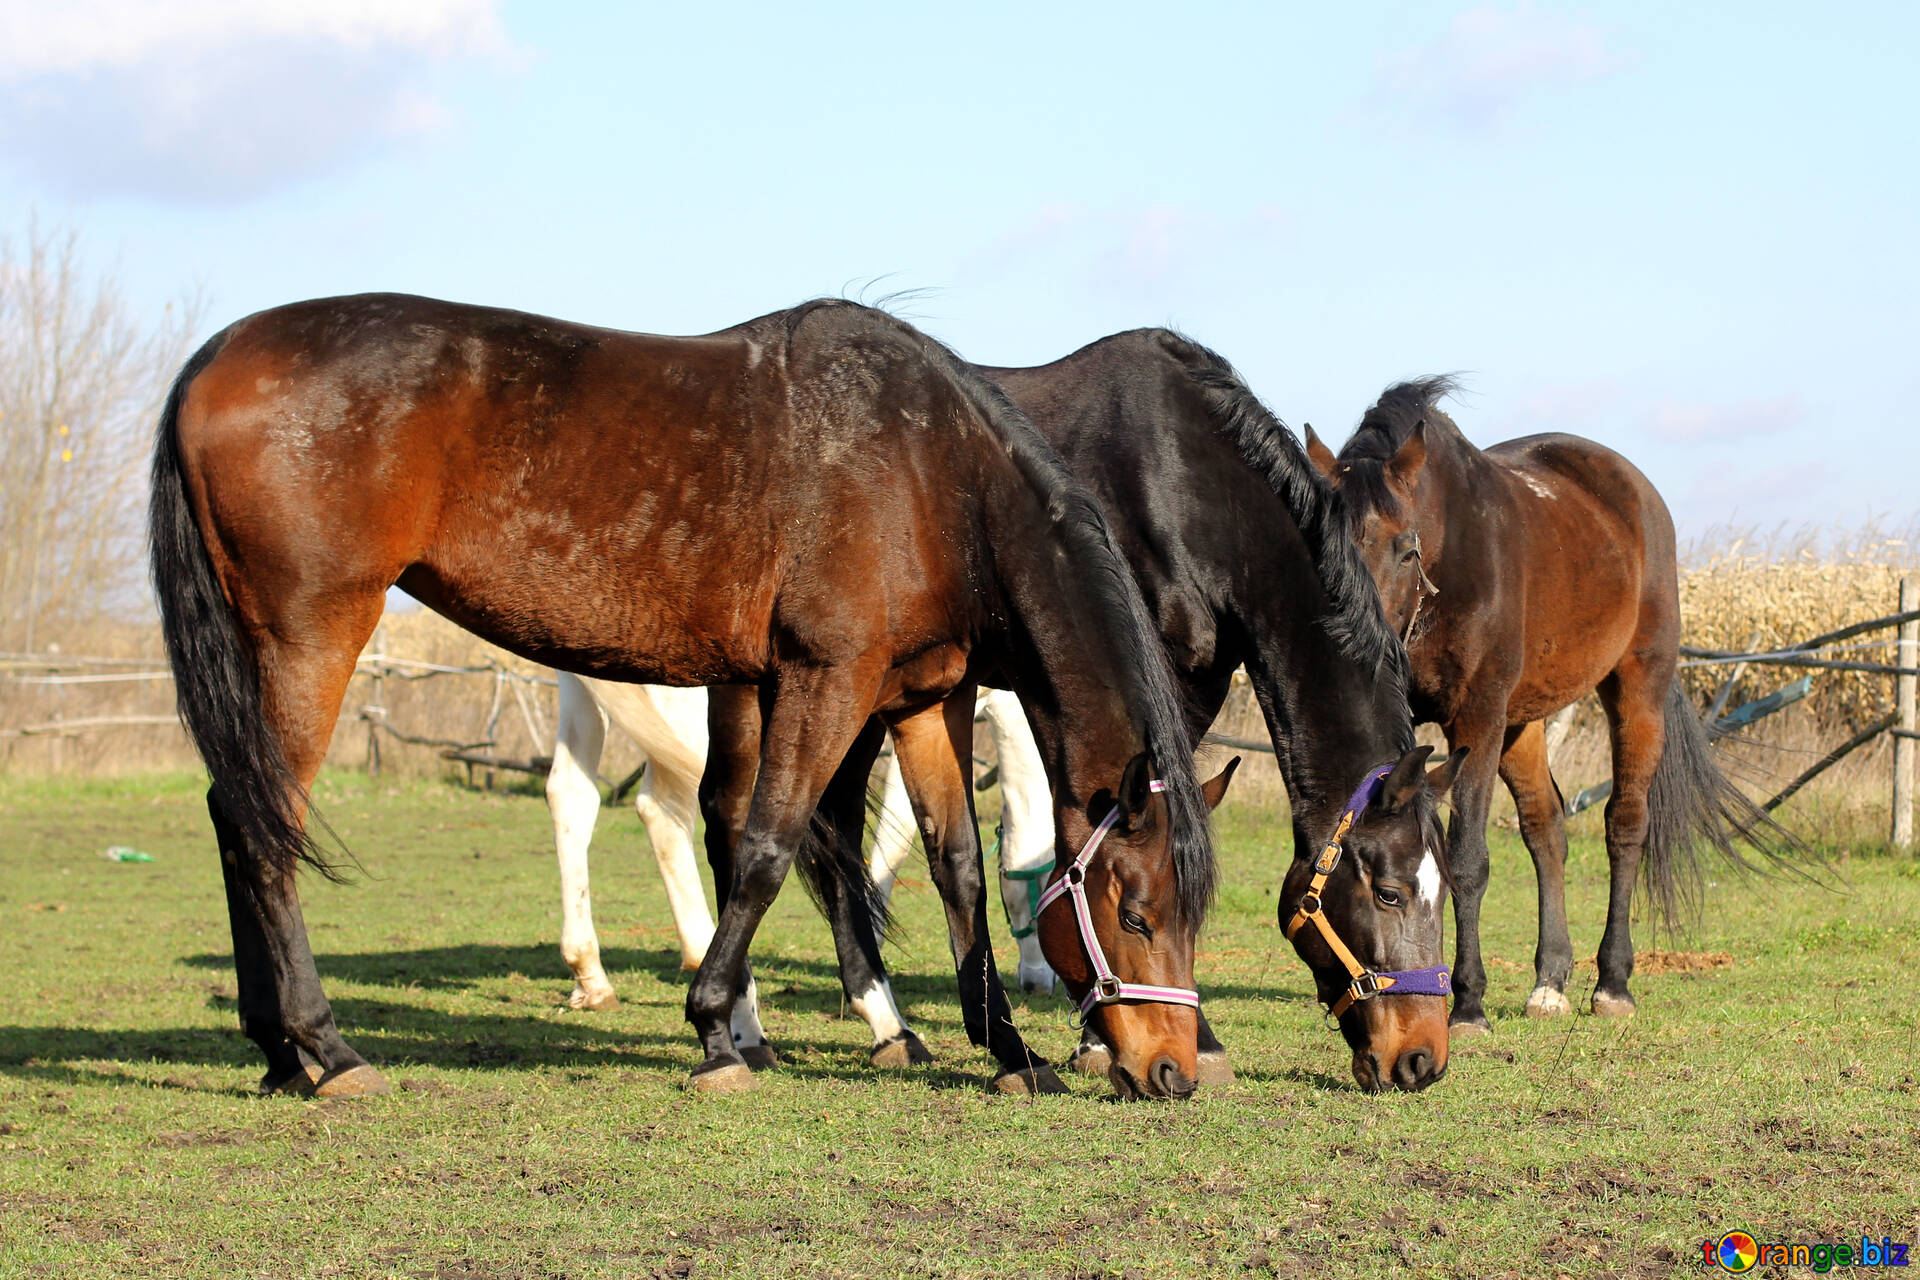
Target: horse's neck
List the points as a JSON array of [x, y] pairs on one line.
[[1462, 473], [1060, 652], [1331, 721]]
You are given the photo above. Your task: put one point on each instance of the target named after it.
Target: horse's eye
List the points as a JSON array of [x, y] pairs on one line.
[[1388, 897], [1407, 557], [1136, 923]]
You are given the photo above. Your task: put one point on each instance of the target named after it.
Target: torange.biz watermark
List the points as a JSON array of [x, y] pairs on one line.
[[1742, 1251]]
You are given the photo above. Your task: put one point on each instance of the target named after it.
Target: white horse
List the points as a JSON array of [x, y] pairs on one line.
[[670, 726]]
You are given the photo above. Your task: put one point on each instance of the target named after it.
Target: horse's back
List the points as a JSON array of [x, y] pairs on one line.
[[653, 508], [1559, 470], [1601, 577]]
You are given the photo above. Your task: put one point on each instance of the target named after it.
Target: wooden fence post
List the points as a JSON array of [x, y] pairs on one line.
[[1904, 745], [379, 705]]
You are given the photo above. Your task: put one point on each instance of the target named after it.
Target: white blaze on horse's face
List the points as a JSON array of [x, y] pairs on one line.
[[1427, 880]]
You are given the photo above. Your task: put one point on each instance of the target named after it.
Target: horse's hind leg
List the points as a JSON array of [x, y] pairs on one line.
[[669, 807], [935, 746], [574, 801], [1543, 826], [815, 713], [1634, 697], [282, 1006]]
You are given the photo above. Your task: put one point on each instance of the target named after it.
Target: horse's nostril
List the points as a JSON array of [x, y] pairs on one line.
[[1414, 1070], [1169, 1079]]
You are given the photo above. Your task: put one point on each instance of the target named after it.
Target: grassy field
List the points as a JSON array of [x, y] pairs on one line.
[[1769, 1083]]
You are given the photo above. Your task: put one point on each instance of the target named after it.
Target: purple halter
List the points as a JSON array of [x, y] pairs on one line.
[[1107, 988], [1434, 980]]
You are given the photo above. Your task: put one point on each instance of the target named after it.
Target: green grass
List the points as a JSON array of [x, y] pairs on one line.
[[526, 1140]]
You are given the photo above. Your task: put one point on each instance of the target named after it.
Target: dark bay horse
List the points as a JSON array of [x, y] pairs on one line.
[[822, 504], [1243, 559], [1523, 576]]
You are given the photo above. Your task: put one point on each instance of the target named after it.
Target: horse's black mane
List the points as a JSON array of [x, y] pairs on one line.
[[1382, 430], [1354, 618], [1082, 529]]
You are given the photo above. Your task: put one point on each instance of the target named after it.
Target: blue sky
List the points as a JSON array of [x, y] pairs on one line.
[[1687, 231]]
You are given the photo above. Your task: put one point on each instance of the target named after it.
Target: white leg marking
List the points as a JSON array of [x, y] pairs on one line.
[[877, 1009], [746, 1017]]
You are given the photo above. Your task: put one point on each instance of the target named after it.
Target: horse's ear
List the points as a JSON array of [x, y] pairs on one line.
[[1214, 789], [1136, 787], [1399, 788], [1317, 453], [1403, 472], [1441, 776]]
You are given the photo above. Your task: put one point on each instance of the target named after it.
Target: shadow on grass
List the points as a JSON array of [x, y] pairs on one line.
[[399, 1038]]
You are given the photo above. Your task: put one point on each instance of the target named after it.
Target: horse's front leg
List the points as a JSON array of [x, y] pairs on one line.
[[811, 719], [843, 900], [935, 746], [1467, 849]]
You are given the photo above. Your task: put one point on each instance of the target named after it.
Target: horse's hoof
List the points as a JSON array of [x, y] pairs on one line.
[[904, 1050], [1091, 1060], [599, 1001], [1029, 1080], [1469, 1029], [1214, 1068], [1606, 1006], [759, 1057], [720, 1075], [1545, 1002], [300, 1083], [690, 964], [354, 1082], [1036, 982]]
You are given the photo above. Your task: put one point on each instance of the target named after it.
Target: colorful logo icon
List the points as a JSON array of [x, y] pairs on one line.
[[1737, 1251]]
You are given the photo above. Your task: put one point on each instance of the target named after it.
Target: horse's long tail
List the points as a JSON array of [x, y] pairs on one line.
[[214, 673], [830, 856], [1691, 802]]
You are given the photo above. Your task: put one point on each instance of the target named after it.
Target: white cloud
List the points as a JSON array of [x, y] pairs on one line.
[[222, 99], [1490, 60], [1699, 422], [1129, 249]]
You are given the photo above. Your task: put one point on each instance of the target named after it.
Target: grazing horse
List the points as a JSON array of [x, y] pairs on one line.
[[1242, 558], [824, 506], [670, 726], [1522, 576]]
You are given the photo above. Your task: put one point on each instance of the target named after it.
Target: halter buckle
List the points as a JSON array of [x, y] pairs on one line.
[[1106, 990], [1365, 986]]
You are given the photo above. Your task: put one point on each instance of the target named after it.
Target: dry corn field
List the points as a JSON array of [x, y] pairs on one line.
[[1744, 594]]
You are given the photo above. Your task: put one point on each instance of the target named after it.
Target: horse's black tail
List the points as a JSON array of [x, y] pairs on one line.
[[215, 678], [1691, 802], [828, 856]]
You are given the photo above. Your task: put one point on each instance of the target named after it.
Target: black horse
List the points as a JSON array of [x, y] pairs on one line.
[[1243, 558]]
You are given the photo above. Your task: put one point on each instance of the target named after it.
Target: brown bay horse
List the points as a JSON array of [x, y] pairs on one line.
[[1523, 576], [822, 504]]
